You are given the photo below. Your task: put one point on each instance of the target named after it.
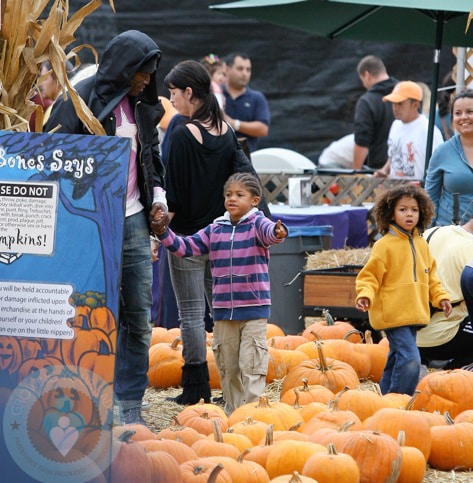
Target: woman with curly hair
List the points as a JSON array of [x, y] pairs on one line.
[[399, 280]]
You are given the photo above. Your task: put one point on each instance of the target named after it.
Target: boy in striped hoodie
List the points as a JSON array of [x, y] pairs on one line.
[[238, 246]]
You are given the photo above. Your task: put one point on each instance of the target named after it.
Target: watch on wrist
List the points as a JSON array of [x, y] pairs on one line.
[[236, 124]]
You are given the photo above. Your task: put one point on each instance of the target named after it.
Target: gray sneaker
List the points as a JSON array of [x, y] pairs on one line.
[[145, 406], [132, 416]]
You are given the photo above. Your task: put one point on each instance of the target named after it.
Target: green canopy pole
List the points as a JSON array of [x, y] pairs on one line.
[[434, 88]]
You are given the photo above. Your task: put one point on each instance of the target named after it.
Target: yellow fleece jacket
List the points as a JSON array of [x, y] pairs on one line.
[[399, 279]]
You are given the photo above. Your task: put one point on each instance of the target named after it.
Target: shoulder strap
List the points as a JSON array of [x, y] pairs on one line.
[[430, 234]]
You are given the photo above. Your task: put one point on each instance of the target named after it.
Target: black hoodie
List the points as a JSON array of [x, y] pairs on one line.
[[373, 119], [124, 55]]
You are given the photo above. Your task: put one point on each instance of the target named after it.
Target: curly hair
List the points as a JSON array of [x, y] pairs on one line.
[[386, 203]]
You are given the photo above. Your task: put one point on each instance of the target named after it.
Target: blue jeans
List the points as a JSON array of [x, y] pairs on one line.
[[401, 374], [192, 282], [134, 331]]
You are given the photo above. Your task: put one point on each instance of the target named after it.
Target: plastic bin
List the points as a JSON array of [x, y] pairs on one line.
[[287, 261]]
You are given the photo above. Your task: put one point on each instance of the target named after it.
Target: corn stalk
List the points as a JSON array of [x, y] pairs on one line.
[[33, 31]]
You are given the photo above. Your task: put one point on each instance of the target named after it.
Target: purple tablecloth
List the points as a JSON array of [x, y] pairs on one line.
[[350, 228]]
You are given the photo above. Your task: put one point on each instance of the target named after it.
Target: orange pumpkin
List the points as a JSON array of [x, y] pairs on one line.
[[391, 421], [445, 391], [179, 451], [200, 416], [255, 431], [185, 434], [164, 468], [363, 403], [306, 394], [294, 478], [287, 342], [165, 364], [413, 462], [328, 328], [129, 461], [241, 470], [280, 415], [289, 455], [451, 447], [330, 373], [378, 455], [331, 466], [203, 470], [281, 361], [273, 330]]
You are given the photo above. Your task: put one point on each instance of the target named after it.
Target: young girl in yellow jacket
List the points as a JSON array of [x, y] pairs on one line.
[[398, 282]]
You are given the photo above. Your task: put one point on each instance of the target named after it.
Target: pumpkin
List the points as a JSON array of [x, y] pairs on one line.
[[129, 461], [378, 455], [328, 328], [305, 394], [185, 434], [363, 403], [241, 470], [202, 470], [330, 466], [280, 415], [161, 334], [215, 444], [239, 441], [178, 450], [294, 478], [165, 364], [464, 417], [333, 417], [445, 391], [351, 353], [200, 416], [452, 447], [214, 375], [287, 342], [413, 462], [273, 330], [37, 370], [281, 361], [139, 432], [289, 455], [259, 453], [330, 373], [164, 468], [391, 421], [255, 431], [378, 354]]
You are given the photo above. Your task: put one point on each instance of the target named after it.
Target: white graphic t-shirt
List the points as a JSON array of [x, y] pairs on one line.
[[407, 144]]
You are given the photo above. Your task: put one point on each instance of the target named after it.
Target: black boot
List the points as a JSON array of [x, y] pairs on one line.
[[195, 384]]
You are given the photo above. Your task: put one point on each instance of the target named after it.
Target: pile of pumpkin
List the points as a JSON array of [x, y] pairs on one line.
[[326, 426]]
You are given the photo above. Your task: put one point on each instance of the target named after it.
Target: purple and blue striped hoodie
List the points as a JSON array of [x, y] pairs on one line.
[[239, 257]]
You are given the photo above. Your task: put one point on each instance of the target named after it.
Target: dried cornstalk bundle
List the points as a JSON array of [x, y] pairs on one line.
[[33, 31], [337, 258]]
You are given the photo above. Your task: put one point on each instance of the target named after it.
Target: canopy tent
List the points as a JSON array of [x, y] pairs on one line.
[[431, 22]]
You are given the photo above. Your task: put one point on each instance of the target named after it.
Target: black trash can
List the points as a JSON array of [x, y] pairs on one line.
[[286, 262]]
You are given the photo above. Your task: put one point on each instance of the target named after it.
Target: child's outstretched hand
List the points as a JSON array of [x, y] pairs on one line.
[[159, 222], [280, 230], [446, 306], [362, 304]]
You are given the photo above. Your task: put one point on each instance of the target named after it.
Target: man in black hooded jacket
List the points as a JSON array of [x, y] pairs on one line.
[[123, 96]]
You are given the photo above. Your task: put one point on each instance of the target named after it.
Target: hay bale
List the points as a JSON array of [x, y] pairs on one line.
[[337, 258]]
